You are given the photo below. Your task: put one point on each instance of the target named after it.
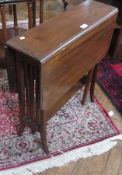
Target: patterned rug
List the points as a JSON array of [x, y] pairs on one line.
[[74, 132], [109, 78]]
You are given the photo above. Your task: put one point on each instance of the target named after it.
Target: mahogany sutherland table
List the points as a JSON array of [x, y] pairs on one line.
[[49, 63]]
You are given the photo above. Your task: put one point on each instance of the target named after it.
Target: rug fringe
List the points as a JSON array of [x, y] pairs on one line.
[[64, 158]]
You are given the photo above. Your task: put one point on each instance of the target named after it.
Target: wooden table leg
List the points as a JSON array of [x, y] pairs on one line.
[[37, 90], [15, 19], [10, 9], [41, 11], [32, 92], [87, 86], [92, 87], [3, 20], [41, 115], [21, 95], [43, 131], [34, 12], [29, 86], [11, 71], [15, 15], [65, 3], [30, 15]]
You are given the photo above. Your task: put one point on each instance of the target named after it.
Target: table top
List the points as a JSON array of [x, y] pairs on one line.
[[44, 41]]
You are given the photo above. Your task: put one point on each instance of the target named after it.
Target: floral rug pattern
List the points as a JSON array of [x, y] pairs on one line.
[[73, 126]]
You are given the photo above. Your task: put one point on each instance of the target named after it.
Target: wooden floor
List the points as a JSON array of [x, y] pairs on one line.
[[109, 163]]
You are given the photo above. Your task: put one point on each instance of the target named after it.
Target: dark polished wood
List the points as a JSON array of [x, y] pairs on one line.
[[89, 78], [15, 15], [56, 63], [3, 20], [65, 3], [92, 87], [21, 94], [10, 9], [41, 11]]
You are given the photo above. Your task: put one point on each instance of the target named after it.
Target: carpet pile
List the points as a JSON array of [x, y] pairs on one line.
[[109, 78], [74, 132]]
